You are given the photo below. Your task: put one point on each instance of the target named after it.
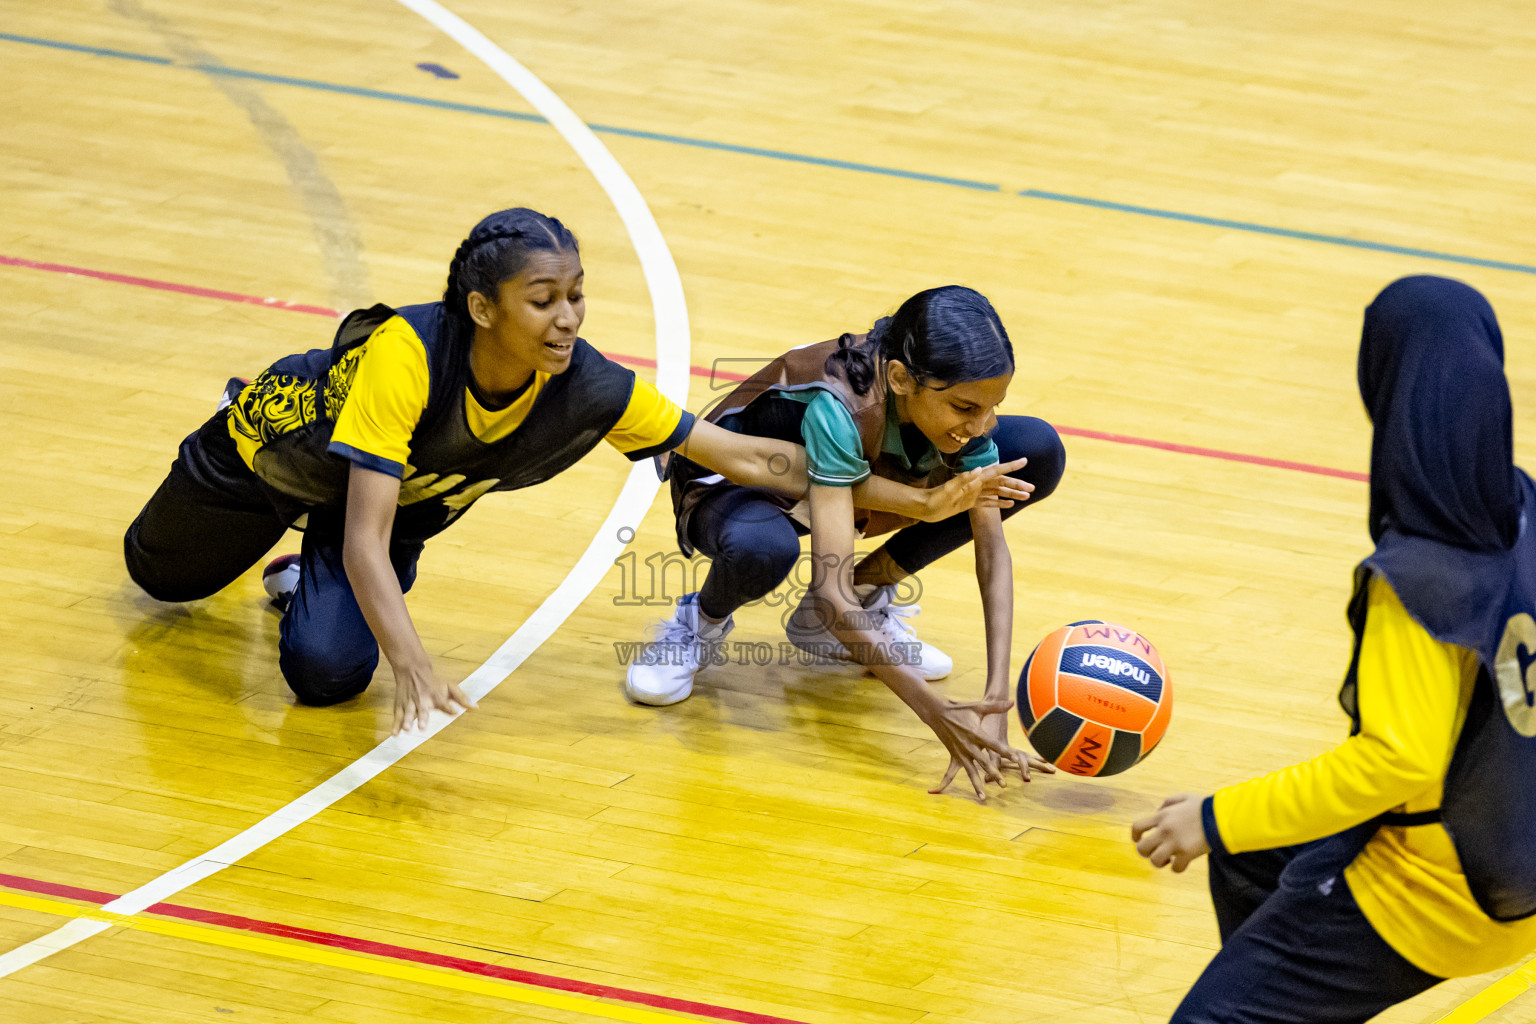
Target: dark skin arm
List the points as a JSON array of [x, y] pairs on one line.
[[746, 459], [994, 575], [986, 487], [780, 466], [959, 726], [371, 500]]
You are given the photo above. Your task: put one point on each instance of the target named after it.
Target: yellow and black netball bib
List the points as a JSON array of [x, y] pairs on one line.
[[1485, 602], [284, 419]]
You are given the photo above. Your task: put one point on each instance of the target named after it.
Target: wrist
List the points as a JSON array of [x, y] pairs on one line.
[[1209, 827], [411, 661], [924, 701], [925, 502]]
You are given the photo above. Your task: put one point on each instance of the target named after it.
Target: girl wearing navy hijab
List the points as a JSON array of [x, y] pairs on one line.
[[1407, 854]]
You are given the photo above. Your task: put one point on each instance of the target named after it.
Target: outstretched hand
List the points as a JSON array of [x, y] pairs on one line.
[[417, 693], [972, 748], [984, 487], [1174, 834], [998, 489], [996, 726]]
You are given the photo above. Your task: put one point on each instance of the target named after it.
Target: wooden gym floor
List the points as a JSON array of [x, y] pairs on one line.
[[1179, 207]]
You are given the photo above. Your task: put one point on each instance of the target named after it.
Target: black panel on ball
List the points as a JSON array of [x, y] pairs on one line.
[[1054, 732], [1123, 752], [1021, 697]]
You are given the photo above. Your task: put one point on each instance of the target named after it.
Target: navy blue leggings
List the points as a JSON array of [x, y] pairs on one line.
[[210, 521], [754, 545], [325, 648], [1295, 948]]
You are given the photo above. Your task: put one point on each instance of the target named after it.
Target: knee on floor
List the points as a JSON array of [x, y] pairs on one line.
[[321, 675], [158, 582]]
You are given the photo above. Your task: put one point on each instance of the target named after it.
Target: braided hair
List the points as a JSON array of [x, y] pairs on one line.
[[497, 250], [943, 336]]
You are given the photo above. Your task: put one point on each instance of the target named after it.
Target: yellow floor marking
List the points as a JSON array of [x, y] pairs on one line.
[[1494, 996], [1503, 991], [441, 978]]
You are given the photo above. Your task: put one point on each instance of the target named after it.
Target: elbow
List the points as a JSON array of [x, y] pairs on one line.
[[1400, 773], [1411, 778], [738, 471], [784, 470], [786, 467], [351, 557], [357, 549]]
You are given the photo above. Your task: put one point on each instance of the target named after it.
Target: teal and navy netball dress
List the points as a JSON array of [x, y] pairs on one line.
[[804, 397]]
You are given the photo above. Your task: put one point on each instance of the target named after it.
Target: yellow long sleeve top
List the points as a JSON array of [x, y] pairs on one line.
[[1414, 692]]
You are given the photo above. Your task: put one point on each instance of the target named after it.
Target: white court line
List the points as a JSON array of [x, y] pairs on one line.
[[672, 351]]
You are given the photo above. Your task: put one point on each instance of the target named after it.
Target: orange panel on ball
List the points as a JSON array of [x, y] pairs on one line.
[[1159, 724], [1085, 754], [1042, 672], [1105, 703]]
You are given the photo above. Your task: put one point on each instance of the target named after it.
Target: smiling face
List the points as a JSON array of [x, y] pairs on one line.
[[949, 417], [532, 323]]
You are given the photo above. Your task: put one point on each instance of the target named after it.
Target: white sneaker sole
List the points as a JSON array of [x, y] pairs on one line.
[[657, 700]]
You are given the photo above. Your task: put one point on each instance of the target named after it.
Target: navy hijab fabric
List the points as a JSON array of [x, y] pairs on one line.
[[1448, 516], [1446, 498]]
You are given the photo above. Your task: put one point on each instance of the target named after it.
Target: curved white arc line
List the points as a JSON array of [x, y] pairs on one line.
[[661, 275], [672, 352]]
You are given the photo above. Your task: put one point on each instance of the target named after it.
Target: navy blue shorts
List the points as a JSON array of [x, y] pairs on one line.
[[1295, 947]]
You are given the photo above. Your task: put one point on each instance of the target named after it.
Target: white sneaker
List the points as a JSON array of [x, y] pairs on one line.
[[808, 630], [662, 672], [280, 579]]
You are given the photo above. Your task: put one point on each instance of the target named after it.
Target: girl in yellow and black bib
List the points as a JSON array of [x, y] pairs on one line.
[[1406, 854], [380, 441]]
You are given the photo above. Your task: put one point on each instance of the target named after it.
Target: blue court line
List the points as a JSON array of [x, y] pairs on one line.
[[605, 129], [1265, 229], [799, 158], [372, 94], [789, 157], [95, 51]]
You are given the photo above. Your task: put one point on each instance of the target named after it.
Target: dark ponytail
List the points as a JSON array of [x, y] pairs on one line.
[[860, 361], [497, 250], [943, 336]]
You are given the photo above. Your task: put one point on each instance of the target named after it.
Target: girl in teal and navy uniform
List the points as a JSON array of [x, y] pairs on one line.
[[900, 434]]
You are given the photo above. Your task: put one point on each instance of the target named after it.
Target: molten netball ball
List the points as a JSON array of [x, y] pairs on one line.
[[1094, 698]]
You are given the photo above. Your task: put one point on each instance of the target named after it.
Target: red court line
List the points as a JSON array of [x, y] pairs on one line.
[[403, 953], [293, 307], [166, 286], [1215, 453], [697, 371]]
